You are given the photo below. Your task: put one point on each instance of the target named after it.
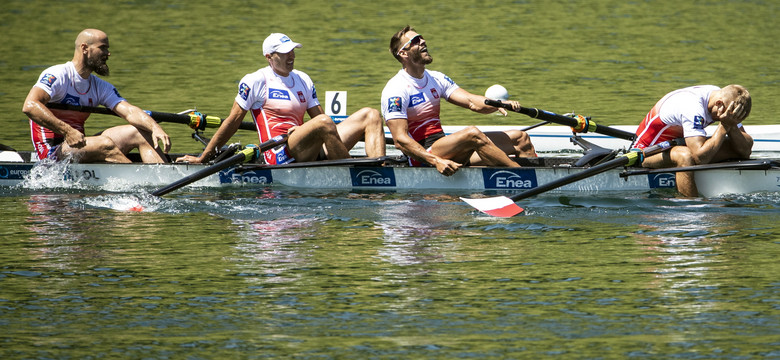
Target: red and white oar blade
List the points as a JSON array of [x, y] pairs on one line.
[[499, 206]]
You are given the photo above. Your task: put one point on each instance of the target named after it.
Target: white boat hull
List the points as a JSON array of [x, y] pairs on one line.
[[125, 177]]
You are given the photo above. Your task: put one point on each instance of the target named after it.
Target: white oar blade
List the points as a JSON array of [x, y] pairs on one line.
[[499, 206]]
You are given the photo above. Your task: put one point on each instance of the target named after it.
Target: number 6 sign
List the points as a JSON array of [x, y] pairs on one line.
[[336, 105]]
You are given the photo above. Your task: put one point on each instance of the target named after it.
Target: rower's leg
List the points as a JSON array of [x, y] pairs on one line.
[[463, 145], [128, 137], [365, 124], [98, 149], [677, 156], [307, 140], [513, 142]]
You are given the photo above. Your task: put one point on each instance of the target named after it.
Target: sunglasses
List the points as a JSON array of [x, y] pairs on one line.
[[415, 40]]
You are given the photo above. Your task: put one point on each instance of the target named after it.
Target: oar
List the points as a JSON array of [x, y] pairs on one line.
[[194, 119], [502, 206], [582, 124], [245, 155], [757, 164]]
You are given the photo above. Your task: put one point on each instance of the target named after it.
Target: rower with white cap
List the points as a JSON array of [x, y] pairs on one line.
[[278, 96]]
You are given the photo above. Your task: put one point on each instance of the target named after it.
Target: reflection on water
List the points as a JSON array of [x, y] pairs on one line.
[[271, 248], [411, 235], [329, 274]]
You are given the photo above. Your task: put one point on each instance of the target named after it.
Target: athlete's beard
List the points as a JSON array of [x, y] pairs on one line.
[[417, 57], [98, 66]]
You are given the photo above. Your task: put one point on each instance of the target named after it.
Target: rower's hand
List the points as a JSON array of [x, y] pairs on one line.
[[75, 139], [447, 167], [731, 115], [189, 159], [515, 106], [159, 136]]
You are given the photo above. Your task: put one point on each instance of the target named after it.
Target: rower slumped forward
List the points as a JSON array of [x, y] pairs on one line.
[[686, 113]]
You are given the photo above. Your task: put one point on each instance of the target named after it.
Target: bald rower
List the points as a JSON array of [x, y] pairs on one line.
[[59, 134]]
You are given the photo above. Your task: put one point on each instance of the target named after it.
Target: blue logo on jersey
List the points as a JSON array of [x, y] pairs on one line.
[[698, 122], [278, 94], [243, 91], [313, 92], [394, 104], [416, 99], [509, 178], [48, 79], [372, 177], [117, 92], [71, 100], [662, 181], [448, 79]]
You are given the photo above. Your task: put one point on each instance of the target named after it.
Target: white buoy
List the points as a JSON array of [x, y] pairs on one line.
[[497, 92]]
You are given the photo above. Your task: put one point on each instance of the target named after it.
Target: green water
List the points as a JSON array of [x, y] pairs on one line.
[[607, 59], [278, 273], [346, 275]]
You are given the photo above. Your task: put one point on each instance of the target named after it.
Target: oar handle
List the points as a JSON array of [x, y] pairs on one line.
[[245, 155], [565, 120], [629, 158], [194, 119]]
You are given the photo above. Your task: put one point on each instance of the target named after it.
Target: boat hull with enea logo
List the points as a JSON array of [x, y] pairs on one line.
[[387, 173]]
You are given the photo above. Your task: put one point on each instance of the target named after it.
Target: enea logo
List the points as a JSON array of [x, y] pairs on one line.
[[661, 181], [245, 177], [71, 100], [372, 177], [278, 94], [509, 178], [416, 99]]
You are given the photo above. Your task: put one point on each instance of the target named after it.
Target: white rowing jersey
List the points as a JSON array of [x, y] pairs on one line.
[[417, 100], [65, 86], [679, 114], [277, 103]]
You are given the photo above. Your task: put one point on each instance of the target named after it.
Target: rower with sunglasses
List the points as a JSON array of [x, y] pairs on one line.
[[410, 106]]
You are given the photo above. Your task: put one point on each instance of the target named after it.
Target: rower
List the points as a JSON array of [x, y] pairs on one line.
[[410, 106], [278, 96], [58, 134], [685, 113]]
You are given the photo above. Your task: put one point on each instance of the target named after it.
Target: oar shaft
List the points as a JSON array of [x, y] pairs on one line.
[[211, 121], [592, 171], [242, 156], [563, 120]]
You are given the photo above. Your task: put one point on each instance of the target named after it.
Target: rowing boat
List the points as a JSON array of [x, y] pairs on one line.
[[602, 143], [388, 173]]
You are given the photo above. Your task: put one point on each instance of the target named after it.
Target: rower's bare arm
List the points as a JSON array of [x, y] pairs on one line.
[[704, 150], [225, 131], [476, 102], [141, 120], [399, 128], [35, 109]]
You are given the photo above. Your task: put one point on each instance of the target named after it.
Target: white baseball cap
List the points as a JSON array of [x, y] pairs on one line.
[[278, 42]]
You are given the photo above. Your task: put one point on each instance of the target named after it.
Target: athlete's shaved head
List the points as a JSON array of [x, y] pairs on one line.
[[89, 36]]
